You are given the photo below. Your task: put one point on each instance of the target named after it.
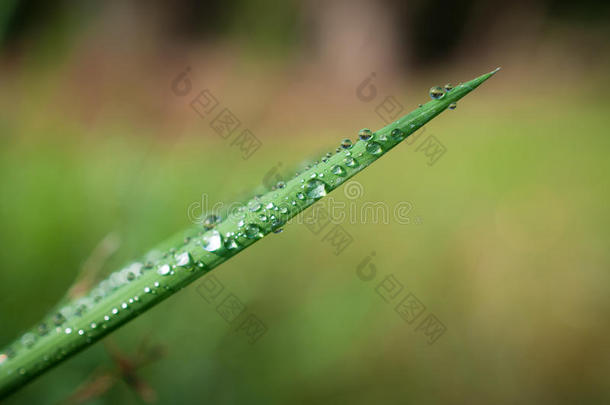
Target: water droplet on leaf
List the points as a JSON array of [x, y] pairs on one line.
[[211, 221], [436, 92], [338, 171], [346, 143], [164, 270], [373, 148], [253, 231], [397, 134], [315, 189], [184, 260], [365, 134], [351, 162], [212, 241], [254, 206]]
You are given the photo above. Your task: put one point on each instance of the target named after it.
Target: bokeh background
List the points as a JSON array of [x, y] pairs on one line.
[[507, 244]]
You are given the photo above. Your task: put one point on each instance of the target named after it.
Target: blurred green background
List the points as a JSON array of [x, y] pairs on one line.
[[508, 246]]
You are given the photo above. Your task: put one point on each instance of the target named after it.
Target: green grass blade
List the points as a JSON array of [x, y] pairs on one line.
[[191, 254]]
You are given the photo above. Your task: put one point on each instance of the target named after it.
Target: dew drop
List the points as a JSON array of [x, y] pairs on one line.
[[3, 358], [231, 243], [315, 189], [300, 196], [351, 162], [278, 230], [164, 270], [397, 134], [254, 206], [115, 311], [58, 319], [338, 171], [93, 325], [28, 339], [184, 260], [263, 217], [130, 276], [346, 143], [448, 87], [373, 148], [157, 284], [68, 331], [283, 210], [365, 134], [81, 332], [253, 231], [147, 290], [436, 92], [270, 206], [106, 318], [211, 221], [43, 329], [280, 184], [452, 106], [212, 241]]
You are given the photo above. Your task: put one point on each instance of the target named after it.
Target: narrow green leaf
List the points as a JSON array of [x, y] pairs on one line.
[[191, 254]]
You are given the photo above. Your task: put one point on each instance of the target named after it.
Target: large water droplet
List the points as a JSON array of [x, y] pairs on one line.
[[351, 162], [254, 205], [253, 231], [365, 134], [28, 339], [164, 269], [58, 319], [43, 329], [212, 241], [436, 92], [346, 143], [231, 243], [315, 189], [448, 87], [184, 260], [373, 148], [397, 134], [211, 221], [338, 171]]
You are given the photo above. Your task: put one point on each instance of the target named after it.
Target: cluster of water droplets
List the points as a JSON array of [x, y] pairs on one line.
[[437, 93]]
